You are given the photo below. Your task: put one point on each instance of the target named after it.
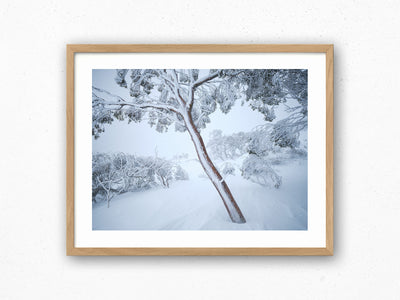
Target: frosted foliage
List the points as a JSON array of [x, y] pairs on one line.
[[266, 89], [261, 141], [260, 171], [226, 95], [227, 146], [260, 150], [116, 173], [104, 113], [171, 92], [120, 78]]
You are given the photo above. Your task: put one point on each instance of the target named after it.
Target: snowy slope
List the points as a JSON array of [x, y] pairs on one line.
[[195, 204]]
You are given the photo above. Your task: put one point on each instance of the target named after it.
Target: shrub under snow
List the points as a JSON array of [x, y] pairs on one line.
[[118, 173]]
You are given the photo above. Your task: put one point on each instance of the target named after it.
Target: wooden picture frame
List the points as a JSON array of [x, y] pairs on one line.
[[71, 192]]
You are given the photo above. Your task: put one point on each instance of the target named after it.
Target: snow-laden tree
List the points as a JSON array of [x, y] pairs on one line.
[[260, 170], [107, 176], [186, 98], [166, 171], [258, 152], [225, 147], [116, 173], [260, 149]]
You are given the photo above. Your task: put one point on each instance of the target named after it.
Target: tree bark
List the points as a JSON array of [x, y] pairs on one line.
[[219, 183]]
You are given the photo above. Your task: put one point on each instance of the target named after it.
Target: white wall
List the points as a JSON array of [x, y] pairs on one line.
[[33, 35]]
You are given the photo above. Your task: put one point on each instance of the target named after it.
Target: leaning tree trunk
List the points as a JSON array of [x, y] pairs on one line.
[[230, 204]]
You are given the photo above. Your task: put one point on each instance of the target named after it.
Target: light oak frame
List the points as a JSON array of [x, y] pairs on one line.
[[212, 48]]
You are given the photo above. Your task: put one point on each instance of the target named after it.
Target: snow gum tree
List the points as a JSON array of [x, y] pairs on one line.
[[185, 98]]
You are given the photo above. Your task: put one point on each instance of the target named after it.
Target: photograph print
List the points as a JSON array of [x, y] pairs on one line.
[[199, 149]]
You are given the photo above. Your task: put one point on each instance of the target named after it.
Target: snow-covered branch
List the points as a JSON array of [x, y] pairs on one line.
[[196, 84], [120, 103], [176, 86], [204, 79]]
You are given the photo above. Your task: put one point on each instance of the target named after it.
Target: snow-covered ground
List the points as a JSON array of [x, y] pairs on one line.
[[194, 204]]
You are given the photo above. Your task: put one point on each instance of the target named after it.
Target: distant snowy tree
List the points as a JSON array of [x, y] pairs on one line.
[[163, 170], [179, 173], [186, 98]]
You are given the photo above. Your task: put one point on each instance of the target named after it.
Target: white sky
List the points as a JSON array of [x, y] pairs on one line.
[[141, 139]]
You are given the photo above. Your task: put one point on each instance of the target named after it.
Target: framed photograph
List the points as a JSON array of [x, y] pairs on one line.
[[199, 150]]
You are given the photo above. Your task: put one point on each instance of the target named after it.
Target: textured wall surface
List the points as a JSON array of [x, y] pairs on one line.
[[33, 36]]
